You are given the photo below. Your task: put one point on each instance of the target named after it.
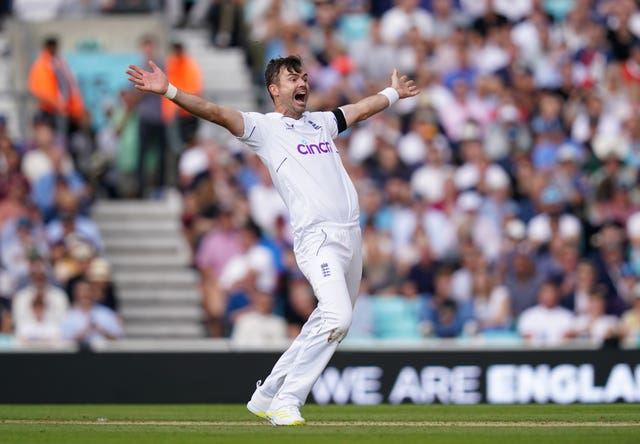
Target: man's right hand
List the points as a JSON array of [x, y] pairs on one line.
[[149, 81]]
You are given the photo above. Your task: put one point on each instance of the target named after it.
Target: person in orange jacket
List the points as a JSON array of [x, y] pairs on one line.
[[184, 72], [54, 85]]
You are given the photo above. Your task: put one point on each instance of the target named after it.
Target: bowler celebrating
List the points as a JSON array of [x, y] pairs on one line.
[[298, 149]]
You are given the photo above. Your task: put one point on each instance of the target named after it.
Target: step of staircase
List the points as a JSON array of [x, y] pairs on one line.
[[164, 330], [158, 289], [134, 313], [148, 297]]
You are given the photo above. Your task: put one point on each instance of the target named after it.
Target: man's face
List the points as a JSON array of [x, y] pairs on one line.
[[291, 92]]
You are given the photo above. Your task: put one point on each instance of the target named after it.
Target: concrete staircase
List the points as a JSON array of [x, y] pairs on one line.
[[157, 289]]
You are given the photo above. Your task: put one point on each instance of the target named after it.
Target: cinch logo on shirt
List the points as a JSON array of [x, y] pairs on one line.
[[322, 147]]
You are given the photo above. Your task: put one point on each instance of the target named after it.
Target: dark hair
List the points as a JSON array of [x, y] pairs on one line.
[[293, 63], [50, 42]]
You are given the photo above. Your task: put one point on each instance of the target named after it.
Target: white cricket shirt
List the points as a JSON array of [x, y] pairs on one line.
[[305, 166]]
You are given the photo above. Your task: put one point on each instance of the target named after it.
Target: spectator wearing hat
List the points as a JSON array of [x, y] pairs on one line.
[[102, 286], [81, 255], [496, 207], [568, 176]]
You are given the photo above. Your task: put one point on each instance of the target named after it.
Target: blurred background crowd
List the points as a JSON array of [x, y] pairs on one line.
[[503, 202]]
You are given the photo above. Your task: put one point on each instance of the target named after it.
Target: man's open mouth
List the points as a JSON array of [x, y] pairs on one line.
[[300, 97]]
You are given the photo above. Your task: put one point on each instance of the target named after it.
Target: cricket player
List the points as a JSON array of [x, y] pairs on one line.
[[298, 149]]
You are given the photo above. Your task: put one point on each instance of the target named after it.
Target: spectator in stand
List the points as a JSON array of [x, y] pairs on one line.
[[54, 85], [54, 299], [17, 251], [183, 72], [373, 56], [71, 222], [102, 286], [630, 320], [37, 329], [546, 323], [258, 328], [523, 279], [397, 22], [265, 203], [152, 129], [442, 316], [609, 259], [9, 164], [13, 204], [576, 297], [378, 268], [299, 302], [491, 304], [595, 325], [88, 322], [252, 270], [471, 261], [633, 236], [215, 251], [424, 269], [51, 188], [122, 145], [37, 161]]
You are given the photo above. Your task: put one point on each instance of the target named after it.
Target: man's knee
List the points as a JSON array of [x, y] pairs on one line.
[[339, 326]]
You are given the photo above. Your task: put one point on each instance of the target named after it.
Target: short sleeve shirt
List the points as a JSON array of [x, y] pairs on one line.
[[305, 166]]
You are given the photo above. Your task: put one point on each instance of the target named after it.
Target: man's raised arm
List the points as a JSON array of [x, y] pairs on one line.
[[400, 88], [156, 81]]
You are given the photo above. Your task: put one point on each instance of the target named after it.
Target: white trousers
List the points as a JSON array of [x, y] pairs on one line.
[[331, 259]]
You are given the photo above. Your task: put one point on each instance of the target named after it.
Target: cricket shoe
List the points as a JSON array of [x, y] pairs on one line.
[[286, 416], [259, 403]]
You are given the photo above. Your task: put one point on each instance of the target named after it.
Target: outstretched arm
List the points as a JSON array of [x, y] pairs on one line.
[[371, 105], [156, 81]]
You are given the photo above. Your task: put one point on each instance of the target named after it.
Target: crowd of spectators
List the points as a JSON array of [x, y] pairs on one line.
[[502, 202]]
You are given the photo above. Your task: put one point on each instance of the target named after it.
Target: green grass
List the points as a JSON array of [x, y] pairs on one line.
[[433, 424]]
